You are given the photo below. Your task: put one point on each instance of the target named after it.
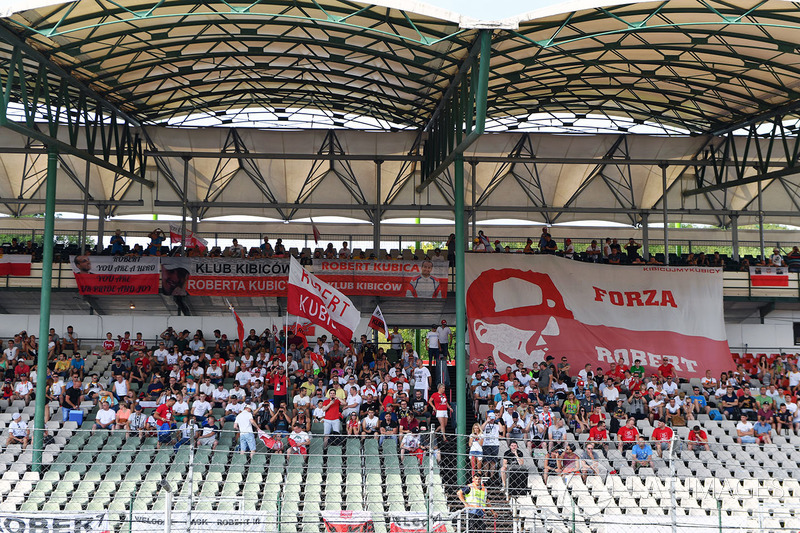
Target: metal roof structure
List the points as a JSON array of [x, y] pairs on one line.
[[671, 86]]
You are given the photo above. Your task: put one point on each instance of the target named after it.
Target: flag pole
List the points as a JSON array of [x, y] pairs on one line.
[[286, 358]]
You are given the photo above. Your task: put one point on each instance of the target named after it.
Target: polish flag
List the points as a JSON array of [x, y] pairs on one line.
[[377, 322], [239, 325], [175, 234], [15, 265], [322, 304], [315, 231]]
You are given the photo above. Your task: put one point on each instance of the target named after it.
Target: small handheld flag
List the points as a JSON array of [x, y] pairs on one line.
[[377, 322], [239, 325]]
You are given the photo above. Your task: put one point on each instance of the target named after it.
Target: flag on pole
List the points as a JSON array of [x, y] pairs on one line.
[[321, 303], [239, 325], [377, 322], [315, 231], [300, 331], [176, 233]]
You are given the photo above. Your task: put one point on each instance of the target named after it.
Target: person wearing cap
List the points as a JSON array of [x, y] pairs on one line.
[[298, 440], [776, 259], [18, 432], [410, 444], [569, 249], [173, 279], [245, 425]]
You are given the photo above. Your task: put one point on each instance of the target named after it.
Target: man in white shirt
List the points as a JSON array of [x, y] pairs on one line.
[[244, 425], [220, 396], [11, 351], [422, 378], [207, 387], [669, 387], [214, 372], [233, 408], [200, 408], [410, 356], [237, 391], [105, 418], [611, 395], [298, 440], [243, 377], [24, 389], [161, 353], [352, 403], [445, 336], [196, 344], [17, 431], [432, 343], [301, 401], [397, 340]]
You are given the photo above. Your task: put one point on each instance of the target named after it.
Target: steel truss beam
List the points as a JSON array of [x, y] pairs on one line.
[[460, 118], [754, 155], [319, 171], [97, 131]]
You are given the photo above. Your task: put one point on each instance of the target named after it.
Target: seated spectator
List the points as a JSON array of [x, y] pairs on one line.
[[642, 454], [122, 419], [627, 435], [298, 441], [745, 433], [552, 462], [662, 438], [762, 430], [513, 461], [24, 390], [411, 445], [389, 429], [70, 340], [208, 433], [105, 418], [698, 439], [557, 434], [370, 425], [18, 432]]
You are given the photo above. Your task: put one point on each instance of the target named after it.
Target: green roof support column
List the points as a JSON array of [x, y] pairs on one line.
[[44, 308], [461, 325]]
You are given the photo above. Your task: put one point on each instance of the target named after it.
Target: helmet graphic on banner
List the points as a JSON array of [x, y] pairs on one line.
[[512, 312]]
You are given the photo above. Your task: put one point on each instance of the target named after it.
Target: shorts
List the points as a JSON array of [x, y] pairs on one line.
[[441, 414], [490, 452], [332, 426], [247, 442], [208, 441], [476, 453], [749, 440]]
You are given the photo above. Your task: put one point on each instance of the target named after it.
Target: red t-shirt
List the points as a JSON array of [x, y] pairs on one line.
[[145, 363], [165, 412], [595, 418], [519, 396], [279, 383], [664, 434], [439, 401], [139, 343], [124, 344], [666, 369], [627, 434], [109, 344], [596, 434], [335, 412], [696, 436]]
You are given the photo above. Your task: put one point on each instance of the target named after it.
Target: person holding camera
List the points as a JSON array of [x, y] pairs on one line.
[[157, 237]]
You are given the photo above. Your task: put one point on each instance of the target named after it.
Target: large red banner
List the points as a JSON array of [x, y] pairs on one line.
[[101, 275], [267, 277], [15, 265], [769, 276], [527, 308]]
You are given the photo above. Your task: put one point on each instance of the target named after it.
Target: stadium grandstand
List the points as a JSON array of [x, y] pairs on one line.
[[343, 266]]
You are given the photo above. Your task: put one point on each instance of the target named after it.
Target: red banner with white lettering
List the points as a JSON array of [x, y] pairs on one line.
[[769, 276], [15, 265], [207, 276], [528, 307], [113, 275], [321, 303]]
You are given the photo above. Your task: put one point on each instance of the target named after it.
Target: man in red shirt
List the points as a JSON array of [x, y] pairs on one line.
[[667, 370], [125, 342], [627, 435], [144, 360], [662, 436], [333, 414], [698, 438], [108, 345], [164, 420], [599, 434], [278, 381]]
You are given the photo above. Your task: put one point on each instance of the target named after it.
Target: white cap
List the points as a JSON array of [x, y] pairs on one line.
[[491, 415], [15, 416]]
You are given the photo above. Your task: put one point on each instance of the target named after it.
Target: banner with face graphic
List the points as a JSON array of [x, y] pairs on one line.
[[522, 307]]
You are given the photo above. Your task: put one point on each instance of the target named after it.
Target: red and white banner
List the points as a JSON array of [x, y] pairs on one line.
[[377, 322], [529, 307], [176, 235], [769, 276], [206, 276], [416, 522], [311, 298], [15, 265], [348, 521], [113, 275]]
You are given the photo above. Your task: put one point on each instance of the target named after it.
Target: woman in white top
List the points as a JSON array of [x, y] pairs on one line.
[[476, 449]]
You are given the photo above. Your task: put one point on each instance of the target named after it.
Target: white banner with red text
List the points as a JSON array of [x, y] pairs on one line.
[[55, 523], [529, 307], [348, 521], [321, 303], [115, 275], [205, 521], [15, 265], [267, 277], [416, 522]]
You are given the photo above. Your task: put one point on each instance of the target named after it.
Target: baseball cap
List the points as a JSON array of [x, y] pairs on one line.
[[138, 407], [491, 415], [444, 322], [508, 405], [484, 384], [15, 416]]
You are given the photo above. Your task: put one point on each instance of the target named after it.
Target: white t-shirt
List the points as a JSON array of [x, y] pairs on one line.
[[23, 388], [243, 377], [234, 408], [180, 408], [220, 395], [300, 438], [200, 408], [301, 401], [161, 355], [105, 416], [397, 341], [744, 426], [444, 334], [491, 434], [611, 394], [776, 260], [244, 421], [18, 428], [11, 353], [421, 377], [433, 340]]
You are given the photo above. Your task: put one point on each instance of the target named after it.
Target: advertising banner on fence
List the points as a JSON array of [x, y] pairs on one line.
[[769, 276], [206, 521], [15, 265], [414, 522], [526, 308], [348, 521], [111, 275], [209, 276], [60, 523]]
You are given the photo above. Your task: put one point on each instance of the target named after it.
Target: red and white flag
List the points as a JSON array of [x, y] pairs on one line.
[[176, 234], [239, 325], [321, 303], [15, 265], [300, 331], [769, 276], [377, 322], [315, 231]]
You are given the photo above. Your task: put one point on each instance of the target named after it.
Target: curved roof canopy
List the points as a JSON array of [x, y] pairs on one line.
[[670, 66]]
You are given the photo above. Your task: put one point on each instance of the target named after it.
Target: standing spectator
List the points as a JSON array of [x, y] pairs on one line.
[[632, 249], [117, 243], [441, 408], [157, 237], [776, 259], [332, 407], [422, 379], [594, 253], [445, 337], [244, 424]]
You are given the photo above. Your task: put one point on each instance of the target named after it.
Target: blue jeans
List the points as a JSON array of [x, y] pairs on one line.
[[247, 441]]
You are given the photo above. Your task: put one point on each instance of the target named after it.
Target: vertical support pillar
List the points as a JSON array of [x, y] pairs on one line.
[[44, 308], [761, 222], [185, 203], [663, 167], [473, 219], [461, 325], [101, 228], [85, 209], [735, 236], [645, 236], [193, 210], [376, 217]]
